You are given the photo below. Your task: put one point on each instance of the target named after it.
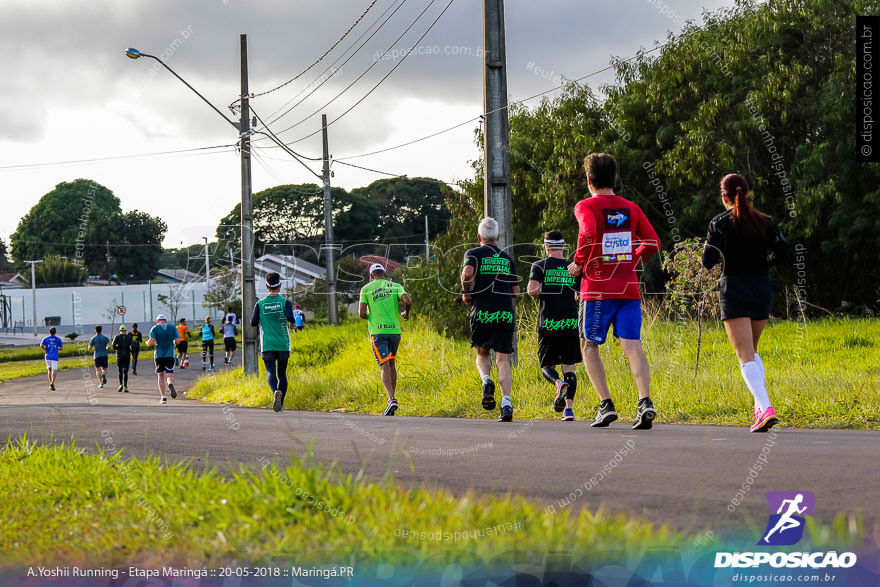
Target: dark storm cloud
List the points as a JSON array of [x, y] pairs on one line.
[[70, 53]]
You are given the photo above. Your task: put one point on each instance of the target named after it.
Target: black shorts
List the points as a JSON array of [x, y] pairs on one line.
[[385, 347], [499, 340], [182, 346], [746, 296], [229, 343], [559, 349], [101, 362], [123, 362], [208, 344], [164, 364]]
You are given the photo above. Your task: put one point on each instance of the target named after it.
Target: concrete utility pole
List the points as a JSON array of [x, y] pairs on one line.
[[496, 138], [248, 285], [427, 246], [328, 229], [33, 292], [207, 262]]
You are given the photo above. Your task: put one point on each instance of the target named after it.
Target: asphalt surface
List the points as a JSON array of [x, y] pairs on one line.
[[688, 476]]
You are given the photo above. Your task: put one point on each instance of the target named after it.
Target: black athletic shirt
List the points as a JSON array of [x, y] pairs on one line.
[[492, 291], [740, 254], [122, 344], [557, 304]]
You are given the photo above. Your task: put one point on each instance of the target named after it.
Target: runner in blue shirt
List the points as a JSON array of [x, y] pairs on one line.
[[51, 345], [99, 343], [164, 337]]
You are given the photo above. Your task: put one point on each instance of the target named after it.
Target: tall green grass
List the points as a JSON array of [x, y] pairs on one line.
[[61, 505], [822, 374]]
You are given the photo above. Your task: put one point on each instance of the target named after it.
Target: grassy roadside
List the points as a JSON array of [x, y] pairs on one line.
[[15, 368], [64, 506], [825, 374]]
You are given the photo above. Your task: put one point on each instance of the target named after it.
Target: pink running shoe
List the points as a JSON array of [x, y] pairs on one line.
[[765, 420]]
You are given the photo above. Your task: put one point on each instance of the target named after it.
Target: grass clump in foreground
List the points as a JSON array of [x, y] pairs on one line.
[[64, 506], [824, 373]]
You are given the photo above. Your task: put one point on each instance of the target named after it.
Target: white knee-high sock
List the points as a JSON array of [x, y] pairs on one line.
[[759, 362], [753, 374]]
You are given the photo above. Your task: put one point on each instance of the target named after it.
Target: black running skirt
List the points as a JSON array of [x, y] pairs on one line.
[[746, 296]]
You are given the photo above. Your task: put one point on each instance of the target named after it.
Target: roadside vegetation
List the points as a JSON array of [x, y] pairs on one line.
[[823, 374]]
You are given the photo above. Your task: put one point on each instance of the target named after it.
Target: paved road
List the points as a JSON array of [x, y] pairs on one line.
[[684, 475]]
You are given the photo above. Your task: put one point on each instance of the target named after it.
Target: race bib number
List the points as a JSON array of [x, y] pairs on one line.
[[617, 246]]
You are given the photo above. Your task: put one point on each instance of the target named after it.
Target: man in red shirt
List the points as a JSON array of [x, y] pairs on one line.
[[613, 238]]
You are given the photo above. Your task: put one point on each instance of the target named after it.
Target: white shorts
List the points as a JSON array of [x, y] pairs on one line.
[[52, 364]]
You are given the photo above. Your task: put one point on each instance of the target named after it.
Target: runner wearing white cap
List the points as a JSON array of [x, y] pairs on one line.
[[379, 305]]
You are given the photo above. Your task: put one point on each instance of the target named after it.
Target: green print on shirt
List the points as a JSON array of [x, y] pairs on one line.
[[558, 276], [498, 317], [495, 264], [551, 325]]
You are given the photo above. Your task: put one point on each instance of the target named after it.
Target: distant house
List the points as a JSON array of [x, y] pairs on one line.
[[290, 267], [12, 280], [180, 275], [387, 263]]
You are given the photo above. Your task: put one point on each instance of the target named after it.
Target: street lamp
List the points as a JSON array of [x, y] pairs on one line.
[[34, 290], [243, 130]]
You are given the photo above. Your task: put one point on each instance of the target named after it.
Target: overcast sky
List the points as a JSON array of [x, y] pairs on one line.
[[68, 92]]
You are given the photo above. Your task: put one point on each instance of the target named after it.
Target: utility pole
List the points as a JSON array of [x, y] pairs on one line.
[[150, 285], [496, 138], [207, 262], [248, 285], [33, 292], [427, 249], [328, 229]]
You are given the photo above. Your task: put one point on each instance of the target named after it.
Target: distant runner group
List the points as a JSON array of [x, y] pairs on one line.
[[579, 301]]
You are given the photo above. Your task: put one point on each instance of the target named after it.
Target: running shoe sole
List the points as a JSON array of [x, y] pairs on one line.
[[390, 409], [172, 390], [278, 404], [607, 418], [645, 420], [559, 401], [506, 414], [766, 425], [489, 395]]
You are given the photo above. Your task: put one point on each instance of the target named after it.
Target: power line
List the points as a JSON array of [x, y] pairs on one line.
[[318, 60], [368, 169], [365, 72], [115, 157], [398, 64], [475, 118], [329, 67], [269, 131]]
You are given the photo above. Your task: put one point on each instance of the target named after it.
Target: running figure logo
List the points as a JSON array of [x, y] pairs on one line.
[[786, 524]]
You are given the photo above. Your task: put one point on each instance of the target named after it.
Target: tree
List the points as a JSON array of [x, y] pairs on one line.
[[224, 292], [59, 272], [172, 300], [78, 220], [5, 264]]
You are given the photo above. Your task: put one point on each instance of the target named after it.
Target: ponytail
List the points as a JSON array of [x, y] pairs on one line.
[[744, 216]]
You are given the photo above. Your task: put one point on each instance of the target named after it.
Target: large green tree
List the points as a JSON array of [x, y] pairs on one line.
[[79, 219], [763, 89]]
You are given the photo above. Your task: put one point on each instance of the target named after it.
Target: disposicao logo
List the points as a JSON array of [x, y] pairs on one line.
[[785, 527], [787, 511]]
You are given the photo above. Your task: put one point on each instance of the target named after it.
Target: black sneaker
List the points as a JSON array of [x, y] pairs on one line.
[[506, 414], [391, 408], [488, 395], [172, 390], [119, 389], [645, 415], [559, 400], [51, 387], [104, 379], [277, 401], [125, 389], [163, 401], [605, 416]]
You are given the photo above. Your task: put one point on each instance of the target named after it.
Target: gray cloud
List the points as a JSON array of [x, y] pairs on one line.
[[71, 54]]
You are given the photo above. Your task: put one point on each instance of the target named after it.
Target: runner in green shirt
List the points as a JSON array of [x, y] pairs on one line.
[[379, 307], [272, 314]]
